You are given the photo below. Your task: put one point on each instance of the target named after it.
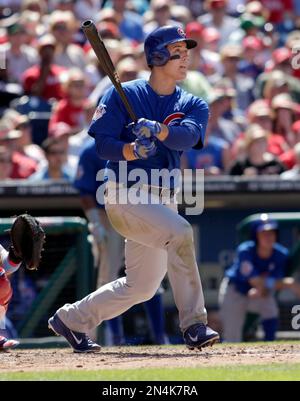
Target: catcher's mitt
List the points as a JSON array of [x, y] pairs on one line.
[[27, 238]]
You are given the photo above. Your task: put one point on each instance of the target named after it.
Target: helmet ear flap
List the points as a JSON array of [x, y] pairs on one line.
[[159, 57]]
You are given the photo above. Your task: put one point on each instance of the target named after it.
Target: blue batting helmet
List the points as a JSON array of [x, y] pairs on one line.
[[264, 223], [156, 44]]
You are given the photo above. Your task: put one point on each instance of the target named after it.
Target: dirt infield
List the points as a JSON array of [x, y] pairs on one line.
[[147, 357]]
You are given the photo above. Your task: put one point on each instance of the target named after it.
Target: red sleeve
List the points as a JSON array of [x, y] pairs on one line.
[[288, 158], [61, 113], [28, 80]]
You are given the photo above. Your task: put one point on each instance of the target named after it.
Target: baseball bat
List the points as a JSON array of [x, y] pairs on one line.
[[103, 56]]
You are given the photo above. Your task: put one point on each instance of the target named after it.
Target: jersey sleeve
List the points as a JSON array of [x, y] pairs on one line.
[[281, 263], [85, 176], [197, 115], [107, 124], [189, 133], [245, 266], [87, 170]]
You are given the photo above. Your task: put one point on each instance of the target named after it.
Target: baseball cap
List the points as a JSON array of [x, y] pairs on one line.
[[217, 3], [252, 42], [221, 93], [281, 54], [210, 34], [12, 24], [157, 5], [167, 35], [283, 101], [194, 28], [231, 50], [156, 43], [60, 129], [253, 133], [267, 226], [249, 21], [46, 40], [259, 108], [254, 7]]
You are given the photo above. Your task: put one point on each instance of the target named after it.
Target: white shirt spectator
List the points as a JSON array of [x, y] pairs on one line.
[[73, 56], [85, 9], [228, 26], [17, 64]]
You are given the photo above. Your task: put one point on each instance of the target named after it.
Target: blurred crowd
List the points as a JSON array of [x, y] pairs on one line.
[[246, 66]]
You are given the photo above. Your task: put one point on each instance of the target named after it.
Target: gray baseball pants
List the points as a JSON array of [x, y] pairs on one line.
[[158, 240], [234, 307]]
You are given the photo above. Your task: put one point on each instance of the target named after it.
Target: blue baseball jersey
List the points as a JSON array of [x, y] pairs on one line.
[[248, 265], [111, 120], [88, 167]]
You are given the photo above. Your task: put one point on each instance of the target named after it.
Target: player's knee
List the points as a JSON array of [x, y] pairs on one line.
[[147, 295], [140, 293], [184, 233]]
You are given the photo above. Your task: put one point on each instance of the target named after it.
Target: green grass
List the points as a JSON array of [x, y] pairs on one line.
[[245, 372]]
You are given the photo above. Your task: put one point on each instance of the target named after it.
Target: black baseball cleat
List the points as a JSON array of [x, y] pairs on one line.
[[80, 342], [199, 336]]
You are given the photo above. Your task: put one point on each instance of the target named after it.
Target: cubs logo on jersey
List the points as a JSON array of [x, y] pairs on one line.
[[246, 268], [173, 118]]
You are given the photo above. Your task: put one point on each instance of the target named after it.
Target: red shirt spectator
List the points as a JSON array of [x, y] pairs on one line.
[[276, 145], [289, 158], [52, 87], [259, 112], [23, 166], [71, 109], [43, 79], [68, 113]]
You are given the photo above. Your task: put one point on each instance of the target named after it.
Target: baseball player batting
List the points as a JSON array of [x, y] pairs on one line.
[[158, 239]]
